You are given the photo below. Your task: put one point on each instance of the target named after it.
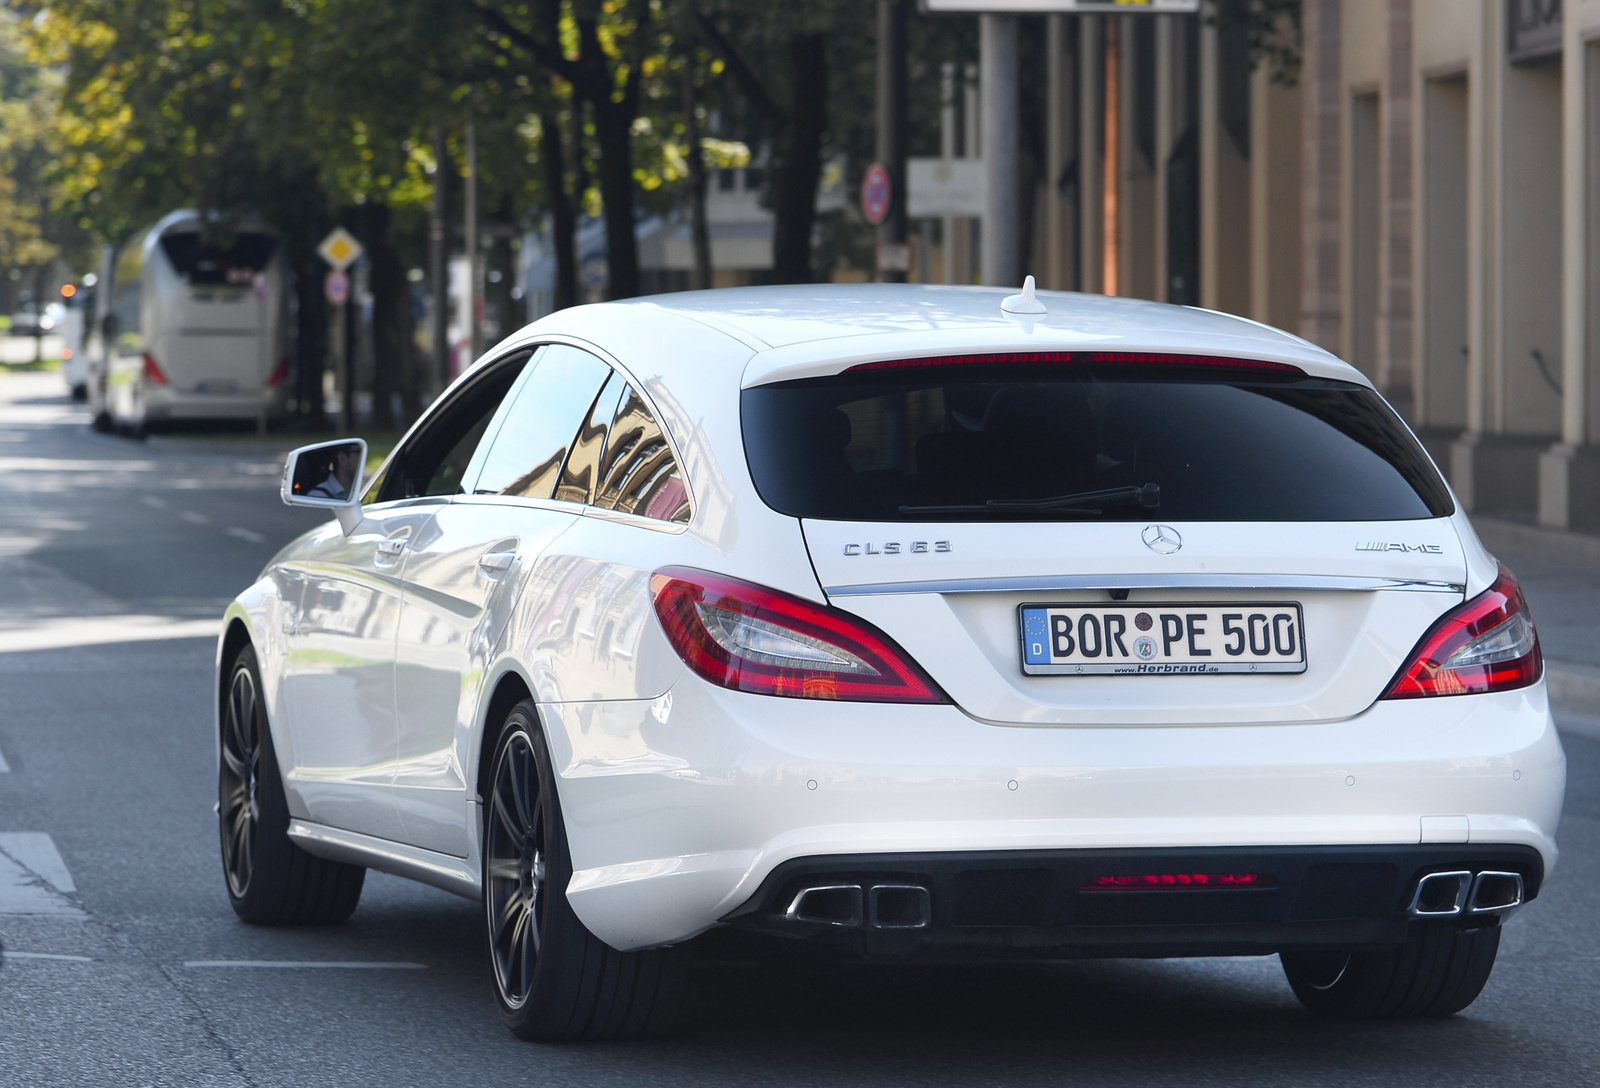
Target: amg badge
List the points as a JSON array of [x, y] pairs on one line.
[[1384, 546]]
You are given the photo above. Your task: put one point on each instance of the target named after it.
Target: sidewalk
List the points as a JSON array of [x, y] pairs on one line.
[[1560, 575]]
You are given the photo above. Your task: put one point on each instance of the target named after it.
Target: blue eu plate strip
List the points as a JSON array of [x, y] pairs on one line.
[[1035, 636]]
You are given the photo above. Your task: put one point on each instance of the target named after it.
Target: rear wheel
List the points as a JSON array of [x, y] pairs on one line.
[[553, 979], [271, 881], [1440, 970]]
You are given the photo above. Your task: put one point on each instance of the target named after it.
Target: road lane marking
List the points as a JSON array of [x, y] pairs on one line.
[[58, 634], [26, 891], [249, 536], [36, 851], [5, 768], [356, 965], [195, 519], [153, 502], [10, 955]]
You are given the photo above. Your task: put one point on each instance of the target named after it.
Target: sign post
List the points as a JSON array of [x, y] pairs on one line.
[[875, 194], [341, 250]]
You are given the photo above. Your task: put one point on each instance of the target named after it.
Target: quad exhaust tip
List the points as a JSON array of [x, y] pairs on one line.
[[878, 906], [1448, 895]]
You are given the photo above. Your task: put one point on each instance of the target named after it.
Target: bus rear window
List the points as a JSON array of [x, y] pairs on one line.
[[206, 264], [1084, 443]]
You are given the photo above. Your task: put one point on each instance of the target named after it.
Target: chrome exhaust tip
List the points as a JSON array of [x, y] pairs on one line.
[[899, 906], [1495, 891], [826, 904], [1441, 895]]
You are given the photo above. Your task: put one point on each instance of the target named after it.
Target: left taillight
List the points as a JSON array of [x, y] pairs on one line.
[[279, 372], [1488, 644], [152, 370], [751, 638]]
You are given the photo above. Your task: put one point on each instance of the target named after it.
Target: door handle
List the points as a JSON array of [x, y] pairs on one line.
[[496, 562], [391, 547]]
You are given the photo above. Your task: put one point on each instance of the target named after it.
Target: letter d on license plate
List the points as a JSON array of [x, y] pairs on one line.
[[1162, 639]]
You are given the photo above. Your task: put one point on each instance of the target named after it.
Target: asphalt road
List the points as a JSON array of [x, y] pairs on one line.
[[115, 559]]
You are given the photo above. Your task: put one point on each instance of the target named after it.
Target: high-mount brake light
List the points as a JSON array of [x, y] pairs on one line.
[[152, 370], [1487, 644], [750, 638], [1087, 358]]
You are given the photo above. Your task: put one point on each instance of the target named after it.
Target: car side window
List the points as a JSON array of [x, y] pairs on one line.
[[579, 474], [531, 444], [638, 474], [435, 459]]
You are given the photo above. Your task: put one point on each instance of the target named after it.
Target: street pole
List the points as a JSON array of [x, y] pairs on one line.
[[699, 233], [891, 149], [471, 230], [341, 368], [997, 52]]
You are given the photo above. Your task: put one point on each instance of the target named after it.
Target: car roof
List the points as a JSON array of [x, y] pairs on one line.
[[818, 329]]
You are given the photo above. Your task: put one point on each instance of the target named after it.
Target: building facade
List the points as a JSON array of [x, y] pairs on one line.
[[1422, 197]]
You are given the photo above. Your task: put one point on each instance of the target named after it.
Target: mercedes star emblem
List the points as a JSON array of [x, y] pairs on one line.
[[1163, 539]]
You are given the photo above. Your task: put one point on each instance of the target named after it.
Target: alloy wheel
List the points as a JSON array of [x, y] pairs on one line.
[[240, 810], [514, 863]]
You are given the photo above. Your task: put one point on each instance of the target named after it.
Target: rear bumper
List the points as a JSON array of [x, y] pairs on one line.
[[1031, 903], [164, 403], [680, 809]]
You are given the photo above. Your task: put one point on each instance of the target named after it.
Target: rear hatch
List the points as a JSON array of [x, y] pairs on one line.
[[1105, 543], [221, 315]]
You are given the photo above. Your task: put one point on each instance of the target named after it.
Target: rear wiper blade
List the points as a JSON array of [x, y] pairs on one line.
[[1090, 502]]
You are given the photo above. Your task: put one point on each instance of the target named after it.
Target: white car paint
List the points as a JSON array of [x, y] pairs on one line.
[[680, 797]]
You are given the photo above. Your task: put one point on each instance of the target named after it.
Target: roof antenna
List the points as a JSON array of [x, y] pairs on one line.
[[1024, 303]]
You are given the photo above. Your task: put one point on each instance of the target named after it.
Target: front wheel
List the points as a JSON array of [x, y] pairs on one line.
[[553, 979], [1440, 970], [271, 881]]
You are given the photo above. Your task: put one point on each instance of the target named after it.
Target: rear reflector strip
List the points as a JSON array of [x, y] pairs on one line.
[[1088, 358], [1166, 881]]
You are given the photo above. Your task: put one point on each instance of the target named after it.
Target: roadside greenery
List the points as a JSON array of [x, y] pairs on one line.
[[316, 113]]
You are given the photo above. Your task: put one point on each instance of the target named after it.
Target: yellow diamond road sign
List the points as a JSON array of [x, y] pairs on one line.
[[340, 248]]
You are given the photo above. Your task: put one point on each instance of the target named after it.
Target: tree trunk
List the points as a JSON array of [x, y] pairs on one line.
[[613, 125], [699, 234], [391, 319], [563, 216], [800, 173]]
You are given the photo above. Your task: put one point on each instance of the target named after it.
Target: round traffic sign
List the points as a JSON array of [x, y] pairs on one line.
[[337, 287], [875, 194]]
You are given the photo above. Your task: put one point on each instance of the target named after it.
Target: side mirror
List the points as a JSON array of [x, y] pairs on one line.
[[328, 475]]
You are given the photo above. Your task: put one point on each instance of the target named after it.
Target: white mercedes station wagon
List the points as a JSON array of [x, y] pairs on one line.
[[917, 621]]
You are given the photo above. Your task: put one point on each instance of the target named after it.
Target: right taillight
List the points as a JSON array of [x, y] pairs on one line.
[[1488, 644], [751, 638], [152, 370]]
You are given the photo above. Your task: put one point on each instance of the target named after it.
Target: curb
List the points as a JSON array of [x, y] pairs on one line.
[[1573, 687], [1574, 697], [1535, 540]]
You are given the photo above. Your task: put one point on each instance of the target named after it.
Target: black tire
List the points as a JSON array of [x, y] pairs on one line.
[[1440, 970], [270, 880], [101, 422], [553, 979]]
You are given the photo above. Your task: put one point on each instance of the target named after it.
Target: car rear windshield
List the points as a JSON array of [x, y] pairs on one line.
[[1084, 442], [204, 263]]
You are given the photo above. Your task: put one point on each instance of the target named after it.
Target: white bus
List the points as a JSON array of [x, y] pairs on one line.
[[197, 326]]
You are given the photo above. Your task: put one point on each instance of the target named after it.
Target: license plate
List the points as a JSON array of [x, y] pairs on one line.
[[1162, 639]]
